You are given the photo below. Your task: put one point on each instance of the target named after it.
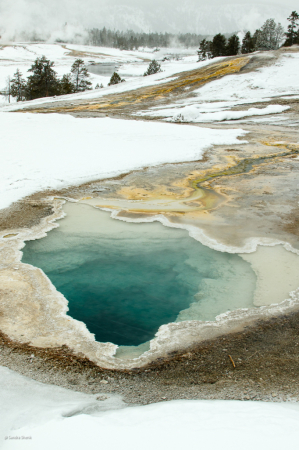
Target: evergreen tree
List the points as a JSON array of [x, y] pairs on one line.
[[233, 45], [270, 36], [43, 82], [154, 67], [66, 86], [18, 86], [292, 34], [204, 51], [255, 38], [248, 43], [218, 46], [80, 76], [115, 79]]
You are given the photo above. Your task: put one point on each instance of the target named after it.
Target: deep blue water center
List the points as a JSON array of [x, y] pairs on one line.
[[125, 280]]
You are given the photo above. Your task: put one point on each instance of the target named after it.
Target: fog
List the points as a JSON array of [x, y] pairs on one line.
[[66, 19]]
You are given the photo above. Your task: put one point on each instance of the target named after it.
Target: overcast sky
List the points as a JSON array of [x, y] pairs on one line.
[[200, 16]]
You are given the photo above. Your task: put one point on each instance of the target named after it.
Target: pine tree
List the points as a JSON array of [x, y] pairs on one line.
[[248, 43], [154, 67], [204, 51], [115, 79], [218, 46], [270, 36], [43, 82], [66, 85], [18, 86], [292, 35], [233, 45], [255, 38], [80, 76]]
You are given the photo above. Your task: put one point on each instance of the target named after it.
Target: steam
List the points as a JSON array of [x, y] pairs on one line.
[[68, 20], [30, 20]]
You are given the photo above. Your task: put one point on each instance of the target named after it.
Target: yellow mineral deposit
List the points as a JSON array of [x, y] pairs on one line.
[[191, 80]]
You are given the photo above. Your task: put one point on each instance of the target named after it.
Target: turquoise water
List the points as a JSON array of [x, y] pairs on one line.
[[125, 280]]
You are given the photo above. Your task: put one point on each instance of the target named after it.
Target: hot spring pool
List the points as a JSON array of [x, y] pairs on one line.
[[125, 280]]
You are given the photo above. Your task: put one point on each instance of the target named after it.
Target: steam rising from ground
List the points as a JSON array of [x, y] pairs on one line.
[[67, 20]]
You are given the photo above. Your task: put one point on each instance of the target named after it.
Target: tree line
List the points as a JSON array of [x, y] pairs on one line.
[[44, 81], [131, 40], [269, 37]]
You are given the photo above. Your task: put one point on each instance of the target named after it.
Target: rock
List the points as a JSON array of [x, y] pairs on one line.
[[104, 382], [101, 398]]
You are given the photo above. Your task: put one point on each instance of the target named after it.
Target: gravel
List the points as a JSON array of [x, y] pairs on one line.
[[266, 359]]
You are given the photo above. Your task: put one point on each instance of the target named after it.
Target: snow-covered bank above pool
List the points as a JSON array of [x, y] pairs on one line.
[[48, 417], [54, 151]]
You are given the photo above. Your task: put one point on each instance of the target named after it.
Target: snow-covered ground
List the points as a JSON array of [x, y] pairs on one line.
[[36, 415], [54, 151], [130, 64], [277, 79], [217, 114], [63, 150], [21, 56], [214, 101]]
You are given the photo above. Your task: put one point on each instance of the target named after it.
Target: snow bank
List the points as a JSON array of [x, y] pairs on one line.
[[280, 78], [25, 402], [53, 151], [213, 101], [44, 416], [191, 114]]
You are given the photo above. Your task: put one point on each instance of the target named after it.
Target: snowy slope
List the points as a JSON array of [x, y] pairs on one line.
[[130, 64], [53, 151], [21, 56], [214, 101], [38, 416], [280, 78]]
